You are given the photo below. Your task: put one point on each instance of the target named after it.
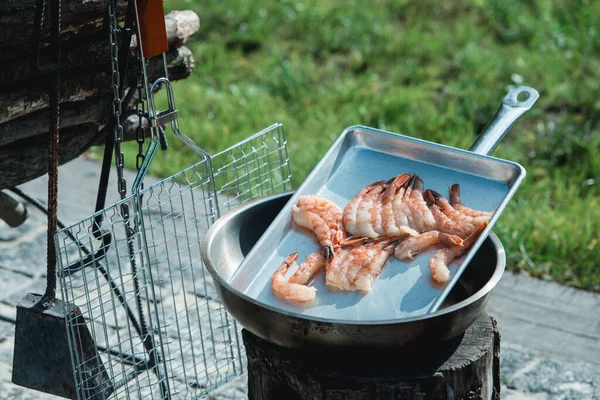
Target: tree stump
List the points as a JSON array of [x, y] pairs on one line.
[[467, 367]]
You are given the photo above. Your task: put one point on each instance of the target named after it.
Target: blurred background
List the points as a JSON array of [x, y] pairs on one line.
[[432, 70]]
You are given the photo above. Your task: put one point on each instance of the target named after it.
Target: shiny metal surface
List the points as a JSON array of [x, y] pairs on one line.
[[509, 112], [358, 157], [232, 237]]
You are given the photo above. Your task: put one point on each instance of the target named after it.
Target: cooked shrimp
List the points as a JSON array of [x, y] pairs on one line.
[[349, 216], [421, 214], [388, 216], [457, 204], [339, 277], [446, 225], [290, 291], [454, 214], [335, 271], [412, 246], [368, 212], [443, 257], [308, 268], [360, 256], [376, 221], [355, 260], [326, 209], [402, 211], [374, 264], [316, 224], [337, 267], [462, 227]]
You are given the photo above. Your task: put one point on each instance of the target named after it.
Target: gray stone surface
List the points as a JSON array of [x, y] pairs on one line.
[[530, 373], [234, 390], [7, 330], [560, 321], [549, 349]]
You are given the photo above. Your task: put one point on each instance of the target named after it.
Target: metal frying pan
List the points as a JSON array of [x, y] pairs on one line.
[[230, 239], [358, 157]]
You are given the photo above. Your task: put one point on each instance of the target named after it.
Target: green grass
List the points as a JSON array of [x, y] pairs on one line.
[[428, 69]]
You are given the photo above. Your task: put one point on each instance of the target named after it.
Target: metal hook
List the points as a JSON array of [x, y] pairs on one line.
[[157, 120], [170, 116]]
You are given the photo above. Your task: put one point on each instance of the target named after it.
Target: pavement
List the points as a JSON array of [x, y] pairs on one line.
[[550, 334]]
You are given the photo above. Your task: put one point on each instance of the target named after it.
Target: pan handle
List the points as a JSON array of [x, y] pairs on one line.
[[509, 112]]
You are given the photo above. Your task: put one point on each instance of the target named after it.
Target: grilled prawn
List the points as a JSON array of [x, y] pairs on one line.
[[350, 213], [412, 246], [422, 217], [330, 212], [394, 213], [458, 205], [295, 288], [321, 217], [290, 291], [450, 220], [389, 208], [443, 257], [355, 267]]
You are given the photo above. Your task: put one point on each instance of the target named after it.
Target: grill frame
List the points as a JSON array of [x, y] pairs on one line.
[[198, 344]]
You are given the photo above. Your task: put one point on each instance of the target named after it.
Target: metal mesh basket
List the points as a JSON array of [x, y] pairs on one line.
[[147, 301]]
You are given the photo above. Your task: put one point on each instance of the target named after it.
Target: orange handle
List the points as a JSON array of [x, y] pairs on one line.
[[153, 30]]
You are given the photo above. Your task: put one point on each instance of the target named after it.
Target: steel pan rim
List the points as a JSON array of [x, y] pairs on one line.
[[481, 293]]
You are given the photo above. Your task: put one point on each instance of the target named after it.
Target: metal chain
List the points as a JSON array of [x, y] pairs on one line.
[[118, 111], [140, 132], [116, 106], [148, 341]]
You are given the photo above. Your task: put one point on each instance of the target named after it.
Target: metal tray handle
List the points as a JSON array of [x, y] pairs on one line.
[[509, 112]]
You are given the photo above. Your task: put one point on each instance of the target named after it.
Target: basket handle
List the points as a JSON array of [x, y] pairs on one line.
[[157, 120]]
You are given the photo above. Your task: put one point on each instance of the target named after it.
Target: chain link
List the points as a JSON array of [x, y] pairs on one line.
[[118, 111], [140, 132], [147, 338], [117, 107]]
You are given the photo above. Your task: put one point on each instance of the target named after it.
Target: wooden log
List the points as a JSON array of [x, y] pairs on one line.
[[181, 25], [91, 52], [33, 97], [93, 109], [22, 162], [85, 99], [464, 368], [78, 19]]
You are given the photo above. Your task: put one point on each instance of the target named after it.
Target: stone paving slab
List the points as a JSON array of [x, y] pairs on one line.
[[530, 374], [560, 321], [549, 348]]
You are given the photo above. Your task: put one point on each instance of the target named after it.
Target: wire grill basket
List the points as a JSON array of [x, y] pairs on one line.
[[145, 297]]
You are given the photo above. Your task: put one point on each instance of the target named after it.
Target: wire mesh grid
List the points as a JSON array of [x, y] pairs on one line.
[[144, 301]]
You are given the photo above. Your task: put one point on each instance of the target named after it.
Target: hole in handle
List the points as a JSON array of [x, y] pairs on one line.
[[521, 96]]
